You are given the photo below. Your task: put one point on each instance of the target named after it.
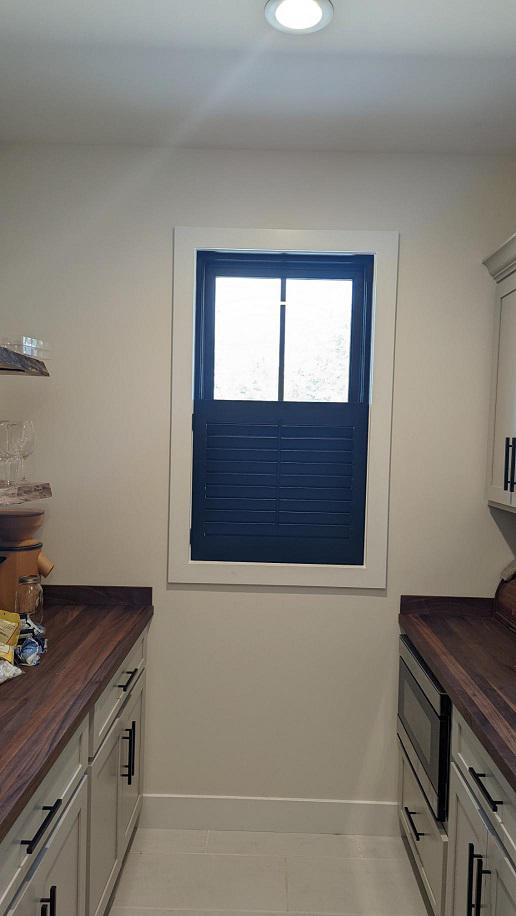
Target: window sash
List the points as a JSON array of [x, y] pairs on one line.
[[358, 269]]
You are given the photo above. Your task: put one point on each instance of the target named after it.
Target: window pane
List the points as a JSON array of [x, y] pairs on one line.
[[247, 328], [317, 340]]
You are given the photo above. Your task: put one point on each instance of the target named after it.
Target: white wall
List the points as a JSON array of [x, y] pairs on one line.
[[252, 692]]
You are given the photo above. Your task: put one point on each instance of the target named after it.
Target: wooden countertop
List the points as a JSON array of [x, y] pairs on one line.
[[90, 631], [472, 652]]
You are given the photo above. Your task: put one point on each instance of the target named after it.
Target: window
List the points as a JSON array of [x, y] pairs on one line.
[[281, 407], [303, 383]]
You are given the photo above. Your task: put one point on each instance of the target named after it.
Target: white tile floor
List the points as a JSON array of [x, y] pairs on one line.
[[211, 873]]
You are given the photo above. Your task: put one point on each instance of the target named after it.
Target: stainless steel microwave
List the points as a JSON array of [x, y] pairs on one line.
[[424, 725]]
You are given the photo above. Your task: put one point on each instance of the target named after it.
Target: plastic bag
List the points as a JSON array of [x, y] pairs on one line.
[[8, 671]]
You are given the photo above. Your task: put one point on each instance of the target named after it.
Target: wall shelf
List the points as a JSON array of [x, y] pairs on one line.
[[24, 492], [13, 363]]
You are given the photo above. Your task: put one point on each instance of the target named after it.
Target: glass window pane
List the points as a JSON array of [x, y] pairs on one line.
[[247, 329], [317, 340]]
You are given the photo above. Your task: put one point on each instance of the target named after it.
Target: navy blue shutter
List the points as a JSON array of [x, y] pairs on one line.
[[280, 482]]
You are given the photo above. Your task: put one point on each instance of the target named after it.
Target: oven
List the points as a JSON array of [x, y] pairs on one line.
[[424, 726]]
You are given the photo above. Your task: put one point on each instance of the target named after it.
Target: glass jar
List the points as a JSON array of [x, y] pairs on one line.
[[29, 598]]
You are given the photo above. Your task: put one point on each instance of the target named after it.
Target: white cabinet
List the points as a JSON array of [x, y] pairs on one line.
[[425, 836], [481, 878], [104, 848], [64, 853], [57, 884], [467, 847], [131, 788], [501, 892], [116, 794], [24, 842], [501, 471]]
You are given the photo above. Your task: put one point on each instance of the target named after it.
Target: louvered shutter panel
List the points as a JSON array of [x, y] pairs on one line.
[[279, 482]]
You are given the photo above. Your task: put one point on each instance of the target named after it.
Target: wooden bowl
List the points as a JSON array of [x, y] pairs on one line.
[[19, 524]]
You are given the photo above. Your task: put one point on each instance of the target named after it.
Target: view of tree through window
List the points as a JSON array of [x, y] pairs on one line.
[[317, 336]]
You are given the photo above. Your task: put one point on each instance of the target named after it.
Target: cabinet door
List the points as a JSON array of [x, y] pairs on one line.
[[105, 784], [504, 397], [58, 883], [467, 841], [501, 878], [131, 764]]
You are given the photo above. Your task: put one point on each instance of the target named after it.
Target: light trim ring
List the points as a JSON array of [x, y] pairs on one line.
[[272, 7]]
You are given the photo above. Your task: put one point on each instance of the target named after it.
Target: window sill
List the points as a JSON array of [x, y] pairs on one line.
[[198, 572]]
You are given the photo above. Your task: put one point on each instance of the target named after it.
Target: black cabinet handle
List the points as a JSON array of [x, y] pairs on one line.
[[512, 481], [506, 463], [410, 817], [52, 900], [129, 765], [52, 811], [469, 891], [133, 749], [481, 871], [132, 674], [477, 777]]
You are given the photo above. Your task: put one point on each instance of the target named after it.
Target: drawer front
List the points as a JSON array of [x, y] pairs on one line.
[[488, 785], [112, 699], [58, 881], [428, 841], [40, 816]]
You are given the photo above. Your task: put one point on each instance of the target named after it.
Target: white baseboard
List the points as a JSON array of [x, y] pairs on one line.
[[282, 815]]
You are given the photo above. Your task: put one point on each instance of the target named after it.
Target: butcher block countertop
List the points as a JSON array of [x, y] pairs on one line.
[[90, 631], [470, 646]]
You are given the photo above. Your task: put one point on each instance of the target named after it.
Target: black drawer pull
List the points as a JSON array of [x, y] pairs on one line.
[[410, 817], [477, 777], [506, 464], [52, 900], [132, 674], [512, 481], [133, 749], [52, 811], [469, 892], [481, 871]]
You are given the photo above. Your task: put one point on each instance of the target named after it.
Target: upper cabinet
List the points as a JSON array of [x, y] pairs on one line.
[[501, 470]]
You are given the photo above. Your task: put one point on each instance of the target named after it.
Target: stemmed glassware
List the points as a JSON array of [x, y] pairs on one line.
[[17, 440]]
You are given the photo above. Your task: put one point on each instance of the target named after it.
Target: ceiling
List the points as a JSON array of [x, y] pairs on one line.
[[385, 76]]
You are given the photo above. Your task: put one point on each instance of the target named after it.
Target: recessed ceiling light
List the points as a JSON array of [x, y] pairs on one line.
[[298, 15]]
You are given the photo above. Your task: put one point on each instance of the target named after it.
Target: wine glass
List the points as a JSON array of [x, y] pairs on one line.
[[21, 439], [4, 451]]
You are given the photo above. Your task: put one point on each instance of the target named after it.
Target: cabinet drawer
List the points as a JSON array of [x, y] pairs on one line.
[[428, 841], [57, 882], [488, 785], [112, 699], [41, 814]]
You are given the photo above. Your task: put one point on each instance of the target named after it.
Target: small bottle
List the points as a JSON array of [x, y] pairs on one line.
[[29, 599]]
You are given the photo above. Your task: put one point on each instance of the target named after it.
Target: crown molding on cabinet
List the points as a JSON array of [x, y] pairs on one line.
[[502, 262]]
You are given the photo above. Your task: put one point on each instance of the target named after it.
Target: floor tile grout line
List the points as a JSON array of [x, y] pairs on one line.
[[286, 884]]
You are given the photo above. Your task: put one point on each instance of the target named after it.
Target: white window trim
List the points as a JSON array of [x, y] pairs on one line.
[[384, 246]]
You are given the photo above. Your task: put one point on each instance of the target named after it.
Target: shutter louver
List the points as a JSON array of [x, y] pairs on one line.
[[279, 482]]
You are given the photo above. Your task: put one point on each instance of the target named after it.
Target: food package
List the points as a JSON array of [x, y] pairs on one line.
[[8, 671], [9, 633], [29, 652]]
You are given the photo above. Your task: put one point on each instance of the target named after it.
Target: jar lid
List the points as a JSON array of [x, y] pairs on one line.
[[29, 580]]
